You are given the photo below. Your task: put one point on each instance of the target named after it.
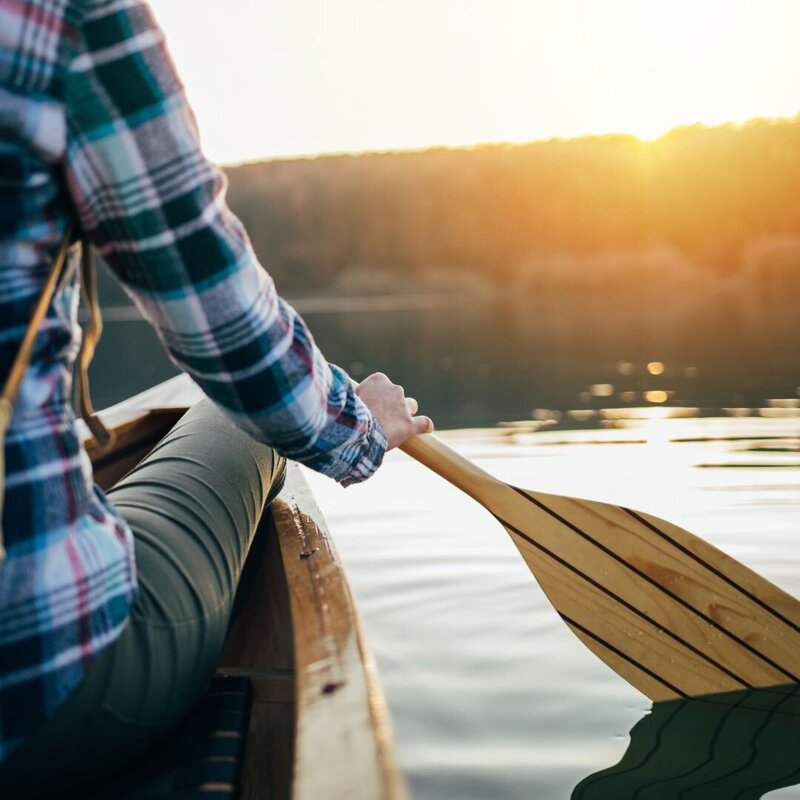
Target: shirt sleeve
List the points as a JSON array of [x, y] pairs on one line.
[[155, 209]]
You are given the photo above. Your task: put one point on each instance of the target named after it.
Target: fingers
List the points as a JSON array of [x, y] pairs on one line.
[[419, 424], [422, 425], [395, 411]]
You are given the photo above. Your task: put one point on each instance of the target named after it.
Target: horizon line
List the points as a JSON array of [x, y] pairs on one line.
[[419, 149]]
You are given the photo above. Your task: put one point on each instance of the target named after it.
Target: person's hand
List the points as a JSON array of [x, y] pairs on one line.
[[390, 406]]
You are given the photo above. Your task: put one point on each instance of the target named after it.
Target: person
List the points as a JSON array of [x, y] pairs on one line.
[[113, 608]]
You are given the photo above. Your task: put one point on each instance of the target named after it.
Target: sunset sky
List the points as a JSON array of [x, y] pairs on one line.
[[302, 77]]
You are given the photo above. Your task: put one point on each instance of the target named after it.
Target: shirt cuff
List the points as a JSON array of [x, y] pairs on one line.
[[371, 457]]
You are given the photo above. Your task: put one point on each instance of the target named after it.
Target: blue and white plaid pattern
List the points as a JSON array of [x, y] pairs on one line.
[[94, 124]]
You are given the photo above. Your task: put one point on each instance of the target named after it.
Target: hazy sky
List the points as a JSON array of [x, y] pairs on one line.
[[301, 77]]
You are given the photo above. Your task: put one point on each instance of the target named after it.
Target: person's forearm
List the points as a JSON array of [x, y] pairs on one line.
[[155, 208]]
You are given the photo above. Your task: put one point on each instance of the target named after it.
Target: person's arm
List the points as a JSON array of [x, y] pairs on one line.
[[154, 207]]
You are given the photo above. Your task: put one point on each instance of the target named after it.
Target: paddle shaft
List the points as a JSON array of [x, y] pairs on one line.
[[454, 468]]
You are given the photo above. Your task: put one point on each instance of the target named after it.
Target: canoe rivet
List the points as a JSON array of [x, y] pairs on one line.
[[332, 686], [309, 553]]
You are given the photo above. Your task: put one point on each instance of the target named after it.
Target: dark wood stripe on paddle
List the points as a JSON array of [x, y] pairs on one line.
[[746, 645], [617, 652], [638, 612], [686, 551]]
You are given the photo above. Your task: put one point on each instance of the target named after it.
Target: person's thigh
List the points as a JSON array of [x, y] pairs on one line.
[[193, 505]]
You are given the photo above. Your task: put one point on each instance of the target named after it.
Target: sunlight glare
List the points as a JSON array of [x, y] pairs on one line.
[[656, 396], [304, 78]]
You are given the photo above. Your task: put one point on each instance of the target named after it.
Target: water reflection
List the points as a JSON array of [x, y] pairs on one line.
[[481, 360], [470, 368], [739, 745]]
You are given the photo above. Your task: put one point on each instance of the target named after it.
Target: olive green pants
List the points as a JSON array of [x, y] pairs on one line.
[[194, 506]]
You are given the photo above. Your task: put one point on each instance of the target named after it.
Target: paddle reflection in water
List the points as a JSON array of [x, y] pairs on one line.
[[733, 746]]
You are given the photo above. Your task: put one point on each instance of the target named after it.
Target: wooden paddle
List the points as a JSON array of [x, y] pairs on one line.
[[671, 614]]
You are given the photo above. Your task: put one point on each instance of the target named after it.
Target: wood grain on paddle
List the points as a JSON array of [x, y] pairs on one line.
[[671, 614]]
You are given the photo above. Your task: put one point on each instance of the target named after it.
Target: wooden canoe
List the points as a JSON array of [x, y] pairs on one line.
[[318, 723]]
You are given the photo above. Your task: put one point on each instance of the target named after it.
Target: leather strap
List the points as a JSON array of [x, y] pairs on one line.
[[23, 357], [22, 360], [91, 336]]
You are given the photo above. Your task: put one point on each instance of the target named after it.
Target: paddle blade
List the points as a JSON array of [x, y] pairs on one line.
[[671, 614]]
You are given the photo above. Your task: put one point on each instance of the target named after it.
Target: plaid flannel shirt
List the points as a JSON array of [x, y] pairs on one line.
[[94, 124]]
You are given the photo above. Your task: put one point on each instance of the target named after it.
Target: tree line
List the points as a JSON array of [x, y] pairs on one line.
[[718, 200]]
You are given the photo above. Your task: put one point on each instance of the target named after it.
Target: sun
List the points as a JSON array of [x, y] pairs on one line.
[[292, 79]]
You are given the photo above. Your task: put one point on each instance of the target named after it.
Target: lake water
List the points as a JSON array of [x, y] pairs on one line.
[[474, 361], [492, 697]]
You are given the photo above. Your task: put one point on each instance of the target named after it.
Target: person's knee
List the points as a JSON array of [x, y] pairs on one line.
[[279, 467]]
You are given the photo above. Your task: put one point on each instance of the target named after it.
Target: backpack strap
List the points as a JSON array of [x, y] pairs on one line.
[[91, 336], [23, 358]]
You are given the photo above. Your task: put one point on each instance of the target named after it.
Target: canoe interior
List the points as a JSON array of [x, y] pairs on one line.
[[319, 726], [134, 440]]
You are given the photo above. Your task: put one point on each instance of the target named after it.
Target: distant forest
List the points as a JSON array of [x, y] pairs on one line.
[[721, 199]]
